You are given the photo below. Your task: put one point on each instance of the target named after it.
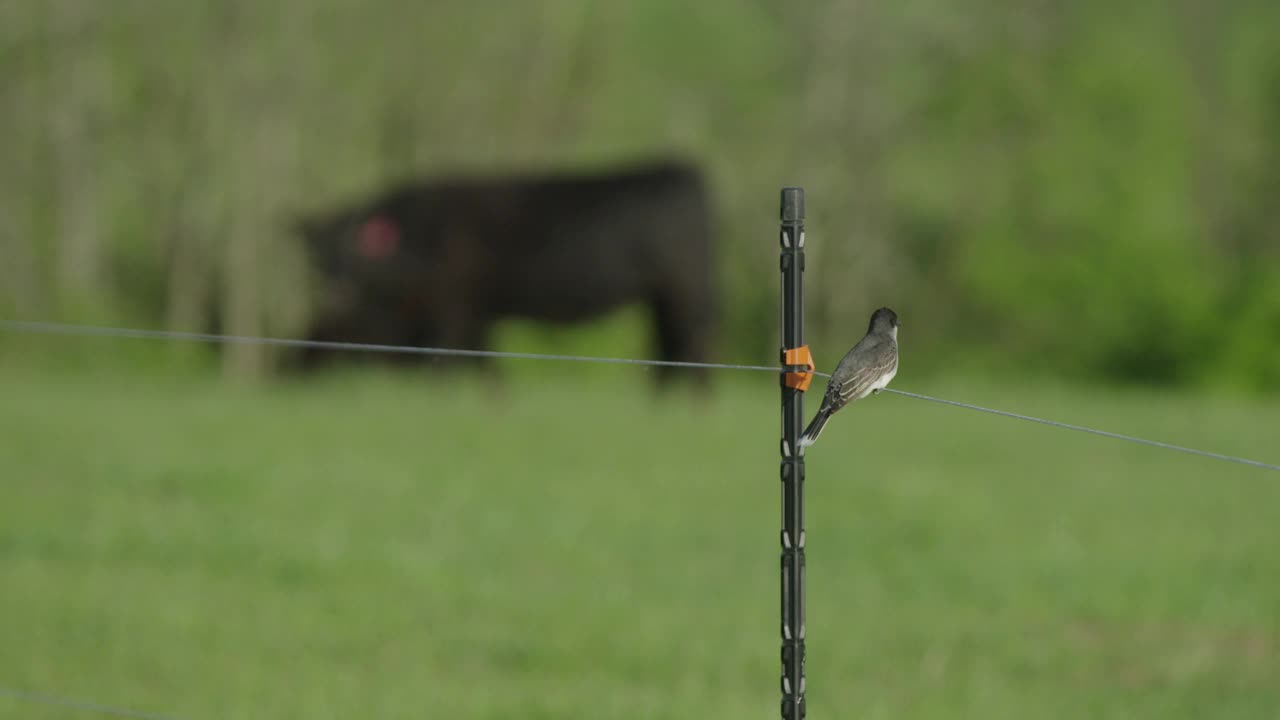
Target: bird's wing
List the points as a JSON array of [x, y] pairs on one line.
[[858, 383]]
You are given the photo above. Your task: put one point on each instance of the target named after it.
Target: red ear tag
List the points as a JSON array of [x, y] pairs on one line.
[[379, 238]]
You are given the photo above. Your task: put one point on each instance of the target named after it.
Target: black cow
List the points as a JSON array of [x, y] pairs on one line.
[[437, 262]]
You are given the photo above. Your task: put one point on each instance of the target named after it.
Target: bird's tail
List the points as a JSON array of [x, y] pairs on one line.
[[811, 433]]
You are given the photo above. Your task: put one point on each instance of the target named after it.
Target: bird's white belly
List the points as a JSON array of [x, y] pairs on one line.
[[883, 381]]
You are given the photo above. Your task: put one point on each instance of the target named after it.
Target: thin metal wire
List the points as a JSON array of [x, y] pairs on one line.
[[100, 331], [93, 330], [74, 704], [1078, 428]]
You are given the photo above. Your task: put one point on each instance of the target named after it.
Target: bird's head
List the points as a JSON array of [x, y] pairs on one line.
[[884, 321]]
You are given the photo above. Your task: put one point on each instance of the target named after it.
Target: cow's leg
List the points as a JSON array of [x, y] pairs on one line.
[[311, 358], [476, 337], [466, 331], [683, 329]]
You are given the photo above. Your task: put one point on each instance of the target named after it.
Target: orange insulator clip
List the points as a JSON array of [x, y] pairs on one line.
[[798, 358]]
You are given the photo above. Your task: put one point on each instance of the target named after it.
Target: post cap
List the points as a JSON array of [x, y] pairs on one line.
[[792, 204]]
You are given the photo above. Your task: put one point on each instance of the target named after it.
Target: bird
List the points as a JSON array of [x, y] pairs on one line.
[[864, 370]]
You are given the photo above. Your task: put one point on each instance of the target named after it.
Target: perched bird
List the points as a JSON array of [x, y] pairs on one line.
[[866, 369]]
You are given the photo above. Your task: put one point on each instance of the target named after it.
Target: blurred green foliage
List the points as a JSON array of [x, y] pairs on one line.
[[1071, 188]]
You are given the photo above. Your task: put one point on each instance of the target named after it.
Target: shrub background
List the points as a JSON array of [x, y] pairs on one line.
[[1081, 189]]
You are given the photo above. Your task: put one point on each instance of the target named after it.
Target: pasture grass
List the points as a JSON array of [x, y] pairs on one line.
[[387, 546]]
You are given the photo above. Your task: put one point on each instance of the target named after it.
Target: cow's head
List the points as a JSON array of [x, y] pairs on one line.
[[350, 243], [354, 256]]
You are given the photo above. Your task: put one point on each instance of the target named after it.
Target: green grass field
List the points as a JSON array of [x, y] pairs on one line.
[[386, 547]]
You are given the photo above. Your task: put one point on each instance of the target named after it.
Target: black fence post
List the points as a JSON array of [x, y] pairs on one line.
[[792, 264]]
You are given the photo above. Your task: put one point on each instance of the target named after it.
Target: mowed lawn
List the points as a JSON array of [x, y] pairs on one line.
[[388, 547]]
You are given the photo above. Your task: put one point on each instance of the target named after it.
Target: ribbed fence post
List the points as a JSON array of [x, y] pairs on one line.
[[793, 629]]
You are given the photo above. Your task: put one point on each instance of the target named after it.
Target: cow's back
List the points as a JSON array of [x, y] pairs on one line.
[[572, 246]]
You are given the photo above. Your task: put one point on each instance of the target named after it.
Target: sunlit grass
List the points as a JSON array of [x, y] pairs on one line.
[[385, 546]]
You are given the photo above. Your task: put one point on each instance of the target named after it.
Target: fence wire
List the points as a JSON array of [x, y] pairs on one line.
[[53, 328], [93, 330], [82, 705], [1092, 431]]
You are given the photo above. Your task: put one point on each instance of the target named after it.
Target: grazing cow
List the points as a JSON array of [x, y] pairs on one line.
[[437, 262]]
